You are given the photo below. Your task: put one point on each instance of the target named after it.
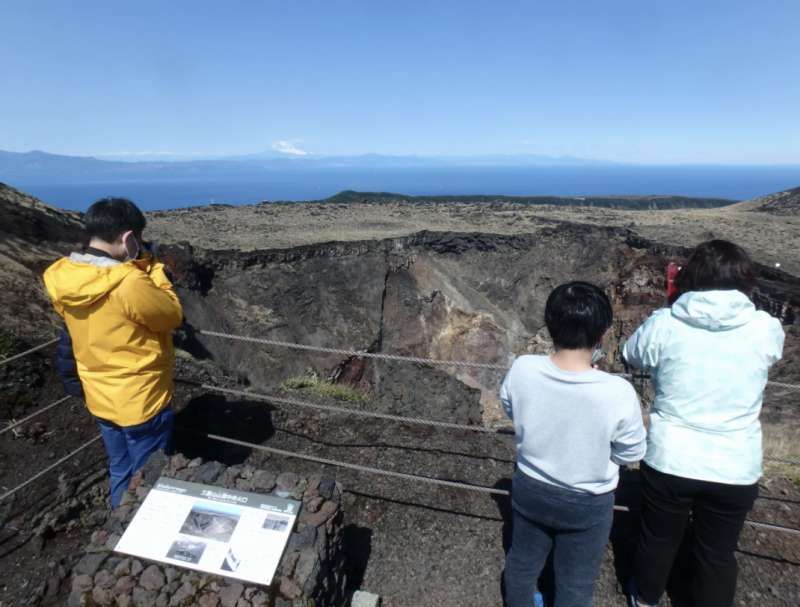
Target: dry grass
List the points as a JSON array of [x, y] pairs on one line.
[[312, 384]]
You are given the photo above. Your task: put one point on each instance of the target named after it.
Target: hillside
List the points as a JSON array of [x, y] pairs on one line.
[[780, 203], [32, 234]]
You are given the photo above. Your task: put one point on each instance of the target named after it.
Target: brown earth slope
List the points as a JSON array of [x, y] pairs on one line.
[[32, 234], [782, 203]]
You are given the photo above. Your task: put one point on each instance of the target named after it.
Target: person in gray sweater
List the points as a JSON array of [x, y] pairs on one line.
[[575, 425]]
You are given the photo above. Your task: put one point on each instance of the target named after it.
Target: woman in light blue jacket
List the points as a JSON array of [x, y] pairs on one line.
[[709, 354]]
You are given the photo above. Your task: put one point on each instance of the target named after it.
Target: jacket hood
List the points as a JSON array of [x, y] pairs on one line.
[[714, 310], [82, 279]]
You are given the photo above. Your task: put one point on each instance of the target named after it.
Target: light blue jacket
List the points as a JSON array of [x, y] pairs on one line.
[[709, 355]]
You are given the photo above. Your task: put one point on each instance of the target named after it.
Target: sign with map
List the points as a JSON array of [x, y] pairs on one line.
[[230, 533]]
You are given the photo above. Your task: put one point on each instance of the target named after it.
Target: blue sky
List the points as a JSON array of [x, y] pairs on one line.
[[651, 82]]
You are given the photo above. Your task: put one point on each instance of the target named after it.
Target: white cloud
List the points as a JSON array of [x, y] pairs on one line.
[[288, 147]]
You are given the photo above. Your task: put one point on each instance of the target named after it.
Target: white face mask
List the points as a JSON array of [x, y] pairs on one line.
[[132, 248], [598, 355]]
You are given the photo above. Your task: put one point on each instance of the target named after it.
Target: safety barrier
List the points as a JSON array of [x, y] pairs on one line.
[[5, 361], [397, 418], [333, 409], [358, 354], [358, 412], [49, 468], [19, 422], [397, 357], [355, 353], [414, 477]]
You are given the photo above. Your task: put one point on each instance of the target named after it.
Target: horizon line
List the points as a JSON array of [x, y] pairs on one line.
[[176, 157]]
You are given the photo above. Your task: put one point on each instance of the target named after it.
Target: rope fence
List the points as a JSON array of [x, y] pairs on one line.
[[339, 464], [779, 460], [355, 353], [411, 359], [415, 477], [359, 354], [46, 344], [332, 409], [17, 423], [396, 418], [780, 384], [49, 468]]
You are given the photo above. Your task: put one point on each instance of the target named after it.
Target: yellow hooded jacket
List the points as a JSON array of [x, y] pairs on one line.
[[120, 317]]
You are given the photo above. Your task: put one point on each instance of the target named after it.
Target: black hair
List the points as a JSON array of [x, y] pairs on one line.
[[577, 315], [717, 265], [109, 218]]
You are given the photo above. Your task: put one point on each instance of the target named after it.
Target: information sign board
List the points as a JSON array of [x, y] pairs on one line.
[[221, 531]]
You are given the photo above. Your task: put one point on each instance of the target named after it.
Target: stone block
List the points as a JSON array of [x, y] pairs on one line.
[[90, 563], [152, 579], [229, 594], [124, 585], [143, 597], [365, 599], [209, 599], [82, 583], [103, 597], [264, 481], [326, 487], [260, 599]]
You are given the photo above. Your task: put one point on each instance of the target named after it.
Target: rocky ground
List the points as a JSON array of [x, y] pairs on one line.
[[450, 280], [770, 238]]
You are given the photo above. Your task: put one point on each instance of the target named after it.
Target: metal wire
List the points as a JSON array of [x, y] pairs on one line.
[[52, 466], [778, 460], [360, 354], [780, 384], [361, 468], [771, 527], [29, 351], [358, 467], [424, 479], [35, 414], [396, 418], [293, 402], [412, 359], [346, 411]]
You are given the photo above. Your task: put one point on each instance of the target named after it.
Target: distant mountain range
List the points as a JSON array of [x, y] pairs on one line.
[[42, 167]]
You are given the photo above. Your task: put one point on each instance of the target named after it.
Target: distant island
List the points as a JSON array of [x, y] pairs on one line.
[[74, 182]]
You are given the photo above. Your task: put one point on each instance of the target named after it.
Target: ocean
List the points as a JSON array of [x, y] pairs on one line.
[[738, 183]]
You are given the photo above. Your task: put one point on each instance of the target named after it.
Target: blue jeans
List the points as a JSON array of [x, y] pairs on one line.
[[129, 447], [574, 526]]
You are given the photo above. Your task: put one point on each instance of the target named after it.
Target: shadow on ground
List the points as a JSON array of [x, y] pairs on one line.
[[243, 420], [358, 547]]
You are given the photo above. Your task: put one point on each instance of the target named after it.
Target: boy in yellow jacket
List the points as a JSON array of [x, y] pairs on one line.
[[120, 310]]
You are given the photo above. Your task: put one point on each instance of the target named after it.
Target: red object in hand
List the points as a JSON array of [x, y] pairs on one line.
[[672, 274]]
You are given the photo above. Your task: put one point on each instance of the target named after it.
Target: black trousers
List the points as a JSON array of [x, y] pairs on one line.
[[717, 512]]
